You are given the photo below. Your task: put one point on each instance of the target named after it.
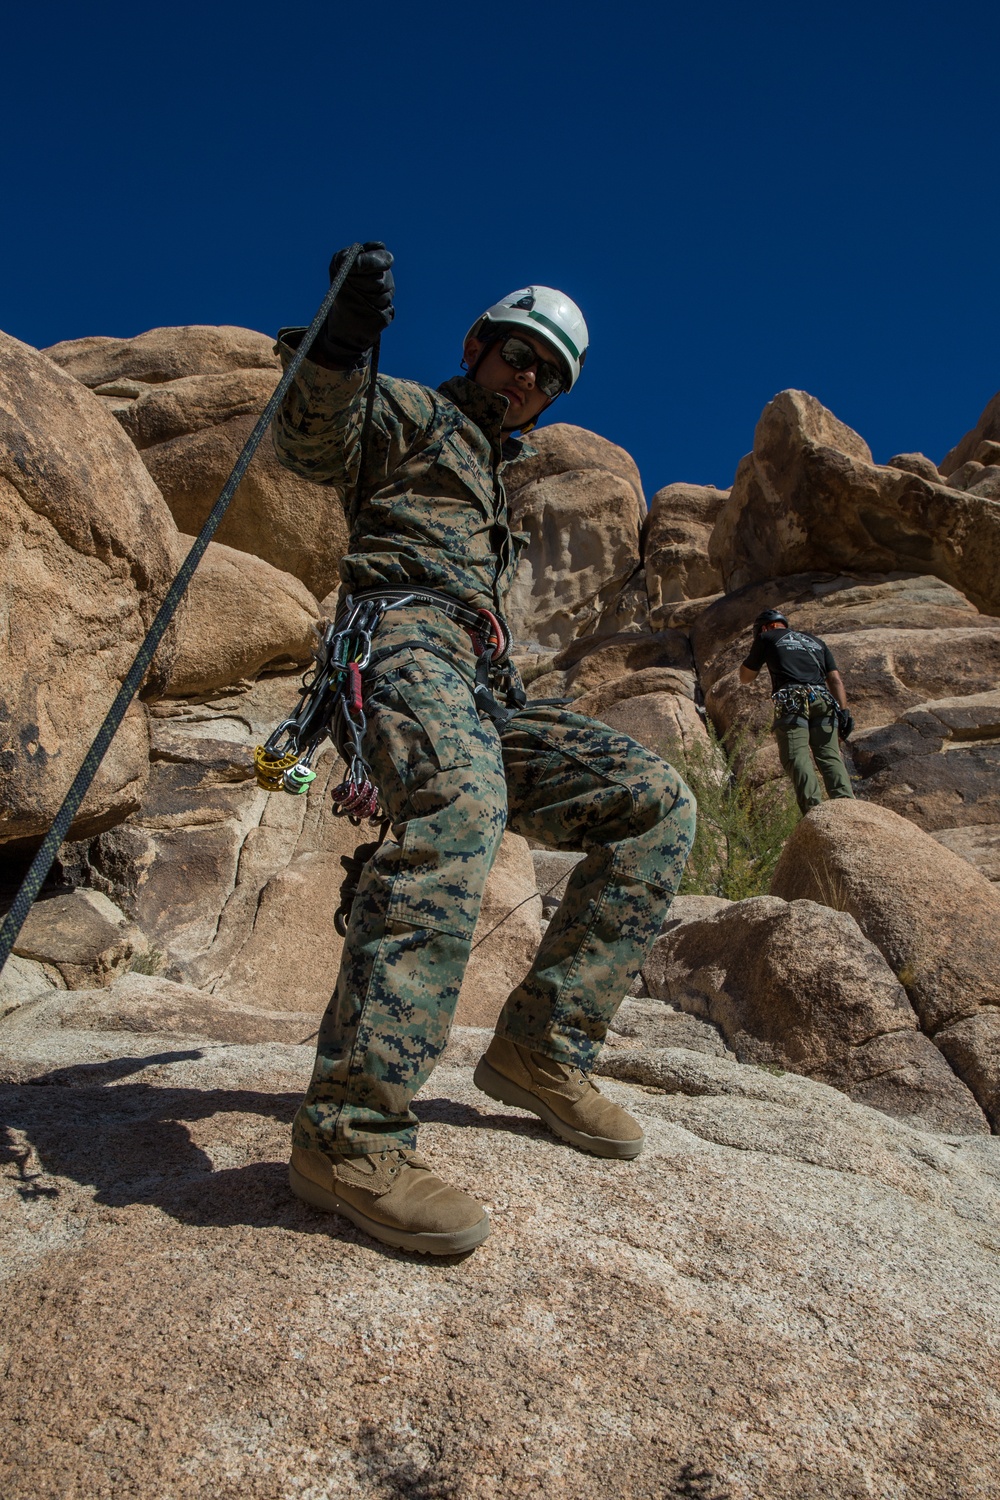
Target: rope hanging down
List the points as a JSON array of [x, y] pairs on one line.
[[42, 862]]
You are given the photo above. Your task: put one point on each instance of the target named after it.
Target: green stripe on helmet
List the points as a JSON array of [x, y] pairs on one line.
[[560, 335]]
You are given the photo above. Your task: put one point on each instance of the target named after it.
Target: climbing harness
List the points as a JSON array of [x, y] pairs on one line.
[[331, 700], [330, 706], [491, 642], [795, 699], [49, 848]]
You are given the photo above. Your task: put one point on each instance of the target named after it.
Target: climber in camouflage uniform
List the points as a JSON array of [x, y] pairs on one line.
[[452, 775]]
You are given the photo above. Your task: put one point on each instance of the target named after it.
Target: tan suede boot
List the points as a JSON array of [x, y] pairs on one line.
[[560, 1095], [394, 1197]]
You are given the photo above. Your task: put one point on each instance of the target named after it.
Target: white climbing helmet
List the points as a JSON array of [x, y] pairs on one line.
[[549, 314]]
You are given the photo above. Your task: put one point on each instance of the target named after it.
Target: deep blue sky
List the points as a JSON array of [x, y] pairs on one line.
[[741, 198]]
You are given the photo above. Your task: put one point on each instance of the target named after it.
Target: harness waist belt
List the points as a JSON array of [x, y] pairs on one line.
[[455, 609]]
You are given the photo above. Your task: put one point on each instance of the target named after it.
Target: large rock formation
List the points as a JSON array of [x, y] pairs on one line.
[[799, 985], [242, 616], [579, 502], [981, 445], [150, 1018], [86, 559], [676, 537], [163, 354], [809, 497], [934, 918], [188, 398]]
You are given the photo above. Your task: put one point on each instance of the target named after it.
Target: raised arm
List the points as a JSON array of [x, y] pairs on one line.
[[317, 431]]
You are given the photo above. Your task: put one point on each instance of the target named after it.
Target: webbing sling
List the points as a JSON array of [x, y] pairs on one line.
[[42, 862]]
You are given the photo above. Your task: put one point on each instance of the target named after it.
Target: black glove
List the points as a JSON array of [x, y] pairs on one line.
[[363, 309], [845, 723]]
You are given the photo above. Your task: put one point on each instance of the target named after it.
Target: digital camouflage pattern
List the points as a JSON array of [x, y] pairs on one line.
[[451, 782], [436, 511]]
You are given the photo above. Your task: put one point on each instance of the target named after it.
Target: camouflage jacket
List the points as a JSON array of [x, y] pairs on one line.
[[434, 512]]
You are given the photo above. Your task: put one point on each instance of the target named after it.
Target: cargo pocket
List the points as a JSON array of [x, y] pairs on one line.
[[421, 721]]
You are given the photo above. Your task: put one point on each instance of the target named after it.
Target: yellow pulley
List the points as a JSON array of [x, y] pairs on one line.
[[271, 768]]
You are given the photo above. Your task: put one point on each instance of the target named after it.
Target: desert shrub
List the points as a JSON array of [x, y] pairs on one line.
[[742, 822], [150, 962]]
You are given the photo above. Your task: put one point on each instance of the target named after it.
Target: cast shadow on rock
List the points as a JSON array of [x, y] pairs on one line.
[[130, 1143], [450, 1112]]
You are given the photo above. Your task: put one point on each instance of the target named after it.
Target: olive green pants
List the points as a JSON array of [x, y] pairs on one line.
[[451, 782], [799, 739]]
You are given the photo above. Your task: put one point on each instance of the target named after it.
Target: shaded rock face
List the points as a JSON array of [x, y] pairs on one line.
[[580, 503], [935, 920], [915, 463], [937, 764], [809, 496], [641, 683], [81, 935], [86, 557], [798, 985], [188, 398]]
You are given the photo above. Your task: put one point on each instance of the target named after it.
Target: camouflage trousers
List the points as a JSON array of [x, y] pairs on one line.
[[451, 782]]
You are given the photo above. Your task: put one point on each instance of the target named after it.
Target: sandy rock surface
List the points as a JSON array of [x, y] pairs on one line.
[[296, 526], [580, 504], [165, 354], [764, 1274], [562, 448], [85, 556], [978, 843], [242, 617], [809, 496], [81, 936], [799, 985], [915, 463], [192, 403], [934, 918], [188, 398]]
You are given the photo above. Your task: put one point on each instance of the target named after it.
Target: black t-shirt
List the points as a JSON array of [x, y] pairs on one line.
[[791, 656]]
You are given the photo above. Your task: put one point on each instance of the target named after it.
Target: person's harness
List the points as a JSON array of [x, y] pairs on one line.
[[331, 704], [795, 700], [331, 700]]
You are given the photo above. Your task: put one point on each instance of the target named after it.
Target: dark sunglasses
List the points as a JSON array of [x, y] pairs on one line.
[[520, 356]]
